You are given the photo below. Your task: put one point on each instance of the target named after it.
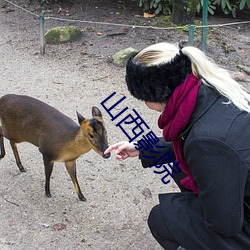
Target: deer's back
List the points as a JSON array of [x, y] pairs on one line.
[[24, 118]]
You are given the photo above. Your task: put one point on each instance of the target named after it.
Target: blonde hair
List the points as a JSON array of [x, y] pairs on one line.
[[202, 67]]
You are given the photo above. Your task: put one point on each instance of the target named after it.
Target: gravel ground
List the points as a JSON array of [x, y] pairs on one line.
[[77, 76]]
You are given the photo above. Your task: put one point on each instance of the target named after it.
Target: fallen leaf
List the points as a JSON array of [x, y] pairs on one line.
[[58, 227], [147, 15], [146, 192]]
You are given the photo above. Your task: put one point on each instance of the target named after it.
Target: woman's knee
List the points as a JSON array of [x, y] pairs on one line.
[[154, 217], [159, 229], [156, 223]]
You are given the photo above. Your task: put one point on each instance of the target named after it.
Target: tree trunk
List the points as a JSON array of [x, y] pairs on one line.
[[183, 11]]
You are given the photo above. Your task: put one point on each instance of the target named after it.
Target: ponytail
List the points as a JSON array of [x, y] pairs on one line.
[[218, 78]]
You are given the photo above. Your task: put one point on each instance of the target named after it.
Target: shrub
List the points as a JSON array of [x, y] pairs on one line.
[[47, 1], [157, 6], [165, 6]]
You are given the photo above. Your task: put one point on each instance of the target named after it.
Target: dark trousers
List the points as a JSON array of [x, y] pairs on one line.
[[157, 224]]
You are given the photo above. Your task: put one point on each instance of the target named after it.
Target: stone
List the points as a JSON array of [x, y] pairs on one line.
[[63, 34], [121, 58], [239, 76], [2, 3], [244, 68], [147, 193]]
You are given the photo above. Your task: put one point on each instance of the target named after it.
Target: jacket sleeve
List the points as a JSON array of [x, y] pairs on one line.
[[164, 148], [220, 173]]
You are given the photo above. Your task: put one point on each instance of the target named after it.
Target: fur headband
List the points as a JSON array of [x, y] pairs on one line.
[[156, 83]]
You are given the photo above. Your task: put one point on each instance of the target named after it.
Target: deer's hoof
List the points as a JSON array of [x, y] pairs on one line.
[[82, 198]]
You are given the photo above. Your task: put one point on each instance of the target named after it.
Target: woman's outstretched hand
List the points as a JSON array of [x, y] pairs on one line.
[[123, 150]]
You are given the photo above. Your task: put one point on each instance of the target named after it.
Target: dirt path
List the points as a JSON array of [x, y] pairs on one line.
[[74, 77], [115, 214]]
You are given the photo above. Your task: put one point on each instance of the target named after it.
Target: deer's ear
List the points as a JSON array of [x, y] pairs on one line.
[[80, 118], [96, 111]]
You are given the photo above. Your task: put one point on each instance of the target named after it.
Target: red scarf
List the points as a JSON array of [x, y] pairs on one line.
[[174, 119]]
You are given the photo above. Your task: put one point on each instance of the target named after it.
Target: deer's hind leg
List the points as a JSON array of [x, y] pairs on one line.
[[18, 161], [71, 168], [1, 144], [48, 164]]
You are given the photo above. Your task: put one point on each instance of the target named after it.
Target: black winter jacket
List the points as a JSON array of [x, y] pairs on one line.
[[216, 144]]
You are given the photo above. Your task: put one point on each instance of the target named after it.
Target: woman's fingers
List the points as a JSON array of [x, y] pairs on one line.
[[120, 157], [114, 147], [121, 148]]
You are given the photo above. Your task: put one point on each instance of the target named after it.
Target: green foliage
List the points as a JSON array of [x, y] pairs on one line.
[[47, 1], [226, 6], [244, 4], [165, 6], [157, 6], [211, 7]]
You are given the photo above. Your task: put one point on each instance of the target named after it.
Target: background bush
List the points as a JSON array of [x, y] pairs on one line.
[[227, 6], [156, 6], [165, 6], [47, 1]]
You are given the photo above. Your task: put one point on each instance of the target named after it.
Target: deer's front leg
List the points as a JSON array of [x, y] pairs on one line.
[[71, 168]]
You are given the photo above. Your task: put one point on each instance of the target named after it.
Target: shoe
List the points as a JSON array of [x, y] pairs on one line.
[[181, 248]]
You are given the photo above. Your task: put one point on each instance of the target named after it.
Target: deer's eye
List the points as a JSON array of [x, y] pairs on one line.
[[91, 136]]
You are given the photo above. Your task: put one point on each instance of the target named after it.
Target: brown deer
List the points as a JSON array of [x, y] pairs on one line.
[[59, 138]]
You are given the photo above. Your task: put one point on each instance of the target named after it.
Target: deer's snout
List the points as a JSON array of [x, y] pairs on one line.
[[106, 156]]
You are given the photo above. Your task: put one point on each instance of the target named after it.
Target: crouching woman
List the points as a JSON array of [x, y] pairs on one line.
[[205, 120]]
